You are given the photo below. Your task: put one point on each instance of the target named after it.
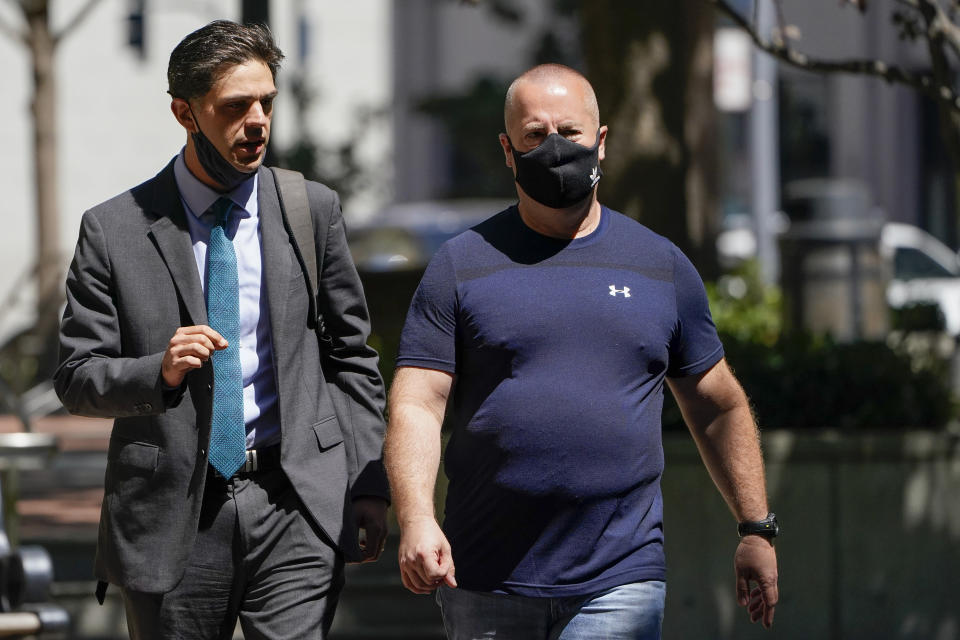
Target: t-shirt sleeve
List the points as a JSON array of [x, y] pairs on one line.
[[695, 346], [428, 339]]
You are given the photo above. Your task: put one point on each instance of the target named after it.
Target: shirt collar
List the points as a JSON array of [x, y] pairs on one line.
[[199, 197]]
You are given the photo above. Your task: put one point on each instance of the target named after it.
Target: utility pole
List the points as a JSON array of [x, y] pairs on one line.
[[765, 151]]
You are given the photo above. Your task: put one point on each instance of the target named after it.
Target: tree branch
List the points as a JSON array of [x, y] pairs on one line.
[[941, 25], [781, 21], [924, 83], [74, 22], [17, 35]]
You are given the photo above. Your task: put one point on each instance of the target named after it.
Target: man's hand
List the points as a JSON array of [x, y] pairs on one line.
[[370, 514], [188, 349], [425, 559], [756, 561]]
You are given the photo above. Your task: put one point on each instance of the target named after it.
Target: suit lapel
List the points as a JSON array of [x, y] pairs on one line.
[[277, 261], [172, 237]]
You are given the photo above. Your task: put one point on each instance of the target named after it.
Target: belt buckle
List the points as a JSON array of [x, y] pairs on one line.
[[252, 463]]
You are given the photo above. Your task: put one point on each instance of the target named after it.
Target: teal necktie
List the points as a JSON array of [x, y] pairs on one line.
[[228, 434]]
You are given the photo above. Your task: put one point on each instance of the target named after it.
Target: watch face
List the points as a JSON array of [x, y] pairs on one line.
[[774, 529], [768, 527]]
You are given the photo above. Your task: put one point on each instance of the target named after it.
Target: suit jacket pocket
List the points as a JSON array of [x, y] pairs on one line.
[[131, 468], [138, 455], [328, 433]]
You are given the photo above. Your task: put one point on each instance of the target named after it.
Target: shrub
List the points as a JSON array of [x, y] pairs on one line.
[[808, 381]]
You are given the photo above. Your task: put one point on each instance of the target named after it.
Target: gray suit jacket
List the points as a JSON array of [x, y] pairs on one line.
[[132, 283]]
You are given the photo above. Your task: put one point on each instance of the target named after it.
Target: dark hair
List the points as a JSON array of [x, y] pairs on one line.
[[197, 62]]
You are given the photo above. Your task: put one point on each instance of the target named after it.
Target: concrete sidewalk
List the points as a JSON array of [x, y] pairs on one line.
[[59, 509], [62, 501]]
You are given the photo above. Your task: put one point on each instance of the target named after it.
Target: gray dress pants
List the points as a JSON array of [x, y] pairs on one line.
[[257, 556]]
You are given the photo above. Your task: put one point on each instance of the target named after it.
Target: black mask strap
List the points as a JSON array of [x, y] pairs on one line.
[[216, 166]]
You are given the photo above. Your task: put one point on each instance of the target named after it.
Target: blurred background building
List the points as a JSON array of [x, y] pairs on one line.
[[378, 92], [399, 101]]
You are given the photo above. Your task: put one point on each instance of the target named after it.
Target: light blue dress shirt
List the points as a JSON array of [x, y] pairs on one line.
[[256, 350]]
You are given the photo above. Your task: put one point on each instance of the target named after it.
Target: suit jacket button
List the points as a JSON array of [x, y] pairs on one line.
[[203, 452], [209, 388]]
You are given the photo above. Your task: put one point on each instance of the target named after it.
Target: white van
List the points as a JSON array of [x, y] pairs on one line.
[[924, 270]]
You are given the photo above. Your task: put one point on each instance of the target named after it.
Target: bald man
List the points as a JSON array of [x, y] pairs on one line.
[[559, 321]]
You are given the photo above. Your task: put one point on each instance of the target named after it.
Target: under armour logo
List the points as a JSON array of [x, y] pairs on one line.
[[614, 291], [594, 179]]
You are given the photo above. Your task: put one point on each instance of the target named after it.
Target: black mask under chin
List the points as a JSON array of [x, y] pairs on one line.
[[558, 173], [215, 164]]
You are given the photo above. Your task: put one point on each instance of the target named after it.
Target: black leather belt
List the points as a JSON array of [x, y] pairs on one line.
[[261, 460], [257, 460]]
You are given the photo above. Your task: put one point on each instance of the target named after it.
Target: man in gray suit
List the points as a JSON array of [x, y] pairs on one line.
[[233, 486]]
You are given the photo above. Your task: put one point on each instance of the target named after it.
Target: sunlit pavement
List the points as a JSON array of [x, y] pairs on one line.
[[59, 508]]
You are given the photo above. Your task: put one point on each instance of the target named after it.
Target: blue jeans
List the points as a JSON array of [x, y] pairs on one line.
[[629, 612]]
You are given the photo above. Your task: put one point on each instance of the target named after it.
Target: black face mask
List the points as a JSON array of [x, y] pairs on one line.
[[215, 164], [559, 173]]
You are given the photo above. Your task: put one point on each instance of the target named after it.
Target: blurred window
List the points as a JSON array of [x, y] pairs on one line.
[[910, 264], [804, 126]]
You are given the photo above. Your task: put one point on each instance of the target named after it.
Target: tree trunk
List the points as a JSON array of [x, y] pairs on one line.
[[943, 76], [650, 64], [43, 110]]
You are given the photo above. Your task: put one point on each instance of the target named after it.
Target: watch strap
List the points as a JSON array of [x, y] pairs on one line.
[[768, 527]]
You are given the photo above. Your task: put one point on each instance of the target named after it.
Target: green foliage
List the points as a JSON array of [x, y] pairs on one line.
[[472, 121], [337, 165], [744, 308], [919, 316], [472, 117], [811, 381], [27, 359]]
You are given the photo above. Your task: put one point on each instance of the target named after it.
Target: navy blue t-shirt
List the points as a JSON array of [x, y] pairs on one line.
[[559, 348]]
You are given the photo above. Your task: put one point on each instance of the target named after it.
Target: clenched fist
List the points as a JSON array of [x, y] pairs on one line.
[[188, 349]]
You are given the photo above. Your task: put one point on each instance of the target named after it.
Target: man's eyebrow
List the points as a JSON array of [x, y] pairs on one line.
[[246, 97]]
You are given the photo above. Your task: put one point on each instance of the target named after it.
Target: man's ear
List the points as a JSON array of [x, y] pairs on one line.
[[602, 149], [507, 149], [183, 114]]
